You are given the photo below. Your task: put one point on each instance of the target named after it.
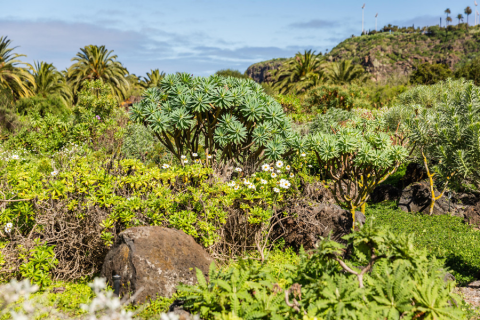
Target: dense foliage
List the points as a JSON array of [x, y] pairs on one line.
[[398, 281], [427, 73], [228, 118]]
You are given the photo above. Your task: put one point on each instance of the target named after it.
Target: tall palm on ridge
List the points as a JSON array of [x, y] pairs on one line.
[[153, 78], [448, 12], [468, 11], [49, 81], [459, 17], [300, 73], [96, 62], [13, 77], [344, 72]]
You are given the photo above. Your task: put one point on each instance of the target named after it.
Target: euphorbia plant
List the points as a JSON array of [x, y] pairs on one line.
[[358, 156], [229, 116]]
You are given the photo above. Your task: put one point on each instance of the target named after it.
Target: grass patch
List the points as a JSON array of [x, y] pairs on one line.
[[446, 237]]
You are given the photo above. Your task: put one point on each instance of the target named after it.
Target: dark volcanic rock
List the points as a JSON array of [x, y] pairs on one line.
[[385, 192], [414, 173], [155, 259], [472, 215], [417, 198]]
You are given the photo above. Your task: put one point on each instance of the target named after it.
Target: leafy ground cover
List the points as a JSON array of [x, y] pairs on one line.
[[445, 237]]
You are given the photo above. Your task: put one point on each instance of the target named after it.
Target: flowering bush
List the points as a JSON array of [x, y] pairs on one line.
[[78, 204], [230, 117]]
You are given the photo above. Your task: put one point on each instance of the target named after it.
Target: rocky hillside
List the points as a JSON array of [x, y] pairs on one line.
[[396, 54], [260, 70]]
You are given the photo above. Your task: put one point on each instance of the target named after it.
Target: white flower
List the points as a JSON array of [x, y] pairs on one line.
[[285, 184], [309, 165], [279, 164], [273, 175], [231, 184], [287, 168], [254, 175], [265, 167], [303, 154], [183, 157], [15, 157], [236, 187], [251, 186], [276, 190], [209, 156], [238, 169], [245, 181], [263, 181], [292, 175], [185, 161], [8, 227], [194, 154], [278, 171], [54, 173], [197, 160], [271, 169], [165, 166]]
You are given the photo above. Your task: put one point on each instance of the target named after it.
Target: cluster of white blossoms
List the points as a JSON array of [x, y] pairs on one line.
[[231, 184], [8, 227], [285, 184], [17, 302]]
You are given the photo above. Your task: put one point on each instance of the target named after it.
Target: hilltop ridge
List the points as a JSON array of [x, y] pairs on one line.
[[396, 54]]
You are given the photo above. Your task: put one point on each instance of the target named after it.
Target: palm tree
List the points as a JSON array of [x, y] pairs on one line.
[[449, 19], [94, 62], [49, 81], [459, 17], [153, 78], [344, 72], [13, 78], [448, 12], [468, 11], [300, 73]]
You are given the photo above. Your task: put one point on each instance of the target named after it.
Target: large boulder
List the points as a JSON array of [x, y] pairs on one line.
[[417, 198], [155, 259], [315, 220]]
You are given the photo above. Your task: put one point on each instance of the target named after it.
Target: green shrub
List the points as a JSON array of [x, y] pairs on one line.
[[427, 73], [229, 116], [445, 237], [470, 71], [330, 119], [327, 96], [43, 106], [231, 73], [402, 283]]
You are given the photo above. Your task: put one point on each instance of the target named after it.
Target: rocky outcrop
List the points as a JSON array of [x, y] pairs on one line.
[[385, 192], [472, 215], [155, 260], [260, 72], [417, 198], [414, 173]]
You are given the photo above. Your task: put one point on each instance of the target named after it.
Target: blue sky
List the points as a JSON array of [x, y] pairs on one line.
[[200, 36]]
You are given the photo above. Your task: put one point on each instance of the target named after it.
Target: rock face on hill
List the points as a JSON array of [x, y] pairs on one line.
[[155, 259], [260, 72], [387, 55]]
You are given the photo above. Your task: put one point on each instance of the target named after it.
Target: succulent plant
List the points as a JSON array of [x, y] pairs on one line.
[[230, 117]]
